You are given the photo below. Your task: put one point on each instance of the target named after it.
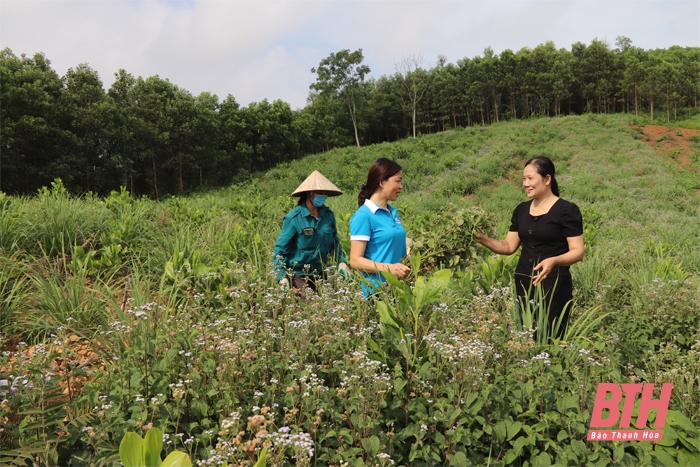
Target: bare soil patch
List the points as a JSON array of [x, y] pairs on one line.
[[674, 143]]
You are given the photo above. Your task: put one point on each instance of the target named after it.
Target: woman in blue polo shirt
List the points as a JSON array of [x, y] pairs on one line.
[[377, 238]]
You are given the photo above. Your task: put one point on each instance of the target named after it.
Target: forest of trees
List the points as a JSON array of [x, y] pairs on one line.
[[156, 138]]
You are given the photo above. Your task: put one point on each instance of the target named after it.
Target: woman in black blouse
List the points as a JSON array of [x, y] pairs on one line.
[[550, 230]]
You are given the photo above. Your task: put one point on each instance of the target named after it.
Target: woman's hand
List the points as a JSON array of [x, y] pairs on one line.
[[399, 270], [545, 267], [574, 255]]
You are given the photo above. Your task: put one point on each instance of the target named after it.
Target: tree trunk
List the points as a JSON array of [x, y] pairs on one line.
[[353, 116], [413, 118], [155, 178], [495, 106], [179, 163]]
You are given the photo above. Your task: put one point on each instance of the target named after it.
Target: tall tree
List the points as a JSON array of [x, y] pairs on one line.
[[32, 143], [84, 106], [633, 71], [123, 126], [414, 83], [339, 75]]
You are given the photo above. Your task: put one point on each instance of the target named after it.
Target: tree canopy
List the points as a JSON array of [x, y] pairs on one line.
[[155, 138]]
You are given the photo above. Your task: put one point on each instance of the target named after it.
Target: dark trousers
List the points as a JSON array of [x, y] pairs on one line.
[[303, 282], [557, 292]]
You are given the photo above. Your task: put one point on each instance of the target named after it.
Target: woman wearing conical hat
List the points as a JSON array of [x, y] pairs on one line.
[[309, 238]]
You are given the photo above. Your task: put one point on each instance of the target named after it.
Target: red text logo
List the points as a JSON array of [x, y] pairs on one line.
[[623, 419]]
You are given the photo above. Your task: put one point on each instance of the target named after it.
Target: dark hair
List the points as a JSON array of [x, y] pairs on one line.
[[302, 198], [545, 166], [382, 169]]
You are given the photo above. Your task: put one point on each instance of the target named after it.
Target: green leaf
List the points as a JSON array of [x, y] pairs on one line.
[[170, 270], [387, 316], [509, 457], [458, 460], [619, 452], [665, 456], [136, 379], [568, 402], [543, 460], [178, 459], [688, 458], [514, 429], [371, 445], [262, 459], [669, 438], [518, 445], [579, 448], [424, 371], [394, 281], [677, 420], [131, 450], [373, 346], [153, 445], [499, 431]]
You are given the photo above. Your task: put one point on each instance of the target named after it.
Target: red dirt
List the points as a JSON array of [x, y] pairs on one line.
[[667, 142]]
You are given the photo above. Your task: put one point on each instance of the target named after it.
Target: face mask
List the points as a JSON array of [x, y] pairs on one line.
[[319, 200]]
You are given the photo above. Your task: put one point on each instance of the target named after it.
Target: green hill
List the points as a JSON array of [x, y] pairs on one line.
[[120, 313]]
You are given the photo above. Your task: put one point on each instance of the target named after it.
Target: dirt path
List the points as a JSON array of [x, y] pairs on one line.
[[674, 143]]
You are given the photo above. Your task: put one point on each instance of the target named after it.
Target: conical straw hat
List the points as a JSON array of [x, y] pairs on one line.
[[317, 182]]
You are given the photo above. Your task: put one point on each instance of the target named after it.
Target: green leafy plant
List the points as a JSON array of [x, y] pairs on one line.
[[405, 324], [446, 238], [135, 451]]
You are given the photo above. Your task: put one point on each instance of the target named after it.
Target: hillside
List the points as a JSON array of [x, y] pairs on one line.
[[601, 161], [121, 314]]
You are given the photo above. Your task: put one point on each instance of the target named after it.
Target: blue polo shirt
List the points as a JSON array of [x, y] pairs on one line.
[[385, 236]]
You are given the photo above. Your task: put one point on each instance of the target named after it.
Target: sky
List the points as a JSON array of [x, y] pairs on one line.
[[265, 49]]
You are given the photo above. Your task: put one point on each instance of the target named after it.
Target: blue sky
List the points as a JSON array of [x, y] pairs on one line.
[[266, 49]]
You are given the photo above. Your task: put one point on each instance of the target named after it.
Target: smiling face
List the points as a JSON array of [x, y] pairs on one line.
[[391, 187], [535, 184]]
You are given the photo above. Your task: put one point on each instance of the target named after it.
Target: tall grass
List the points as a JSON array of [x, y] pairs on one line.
[[14, 290], [10, 228], [54, 221]]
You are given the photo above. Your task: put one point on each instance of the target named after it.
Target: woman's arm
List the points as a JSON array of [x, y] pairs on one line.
[[359, 262], [502, 247], [574, 255]]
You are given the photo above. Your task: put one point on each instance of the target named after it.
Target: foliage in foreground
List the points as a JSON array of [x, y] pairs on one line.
[[121, 315]]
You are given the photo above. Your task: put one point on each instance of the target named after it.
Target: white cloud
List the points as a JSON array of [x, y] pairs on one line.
[[265, 48]]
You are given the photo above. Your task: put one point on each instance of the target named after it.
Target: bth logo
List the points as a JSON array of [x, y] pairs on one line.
[[612, 404]]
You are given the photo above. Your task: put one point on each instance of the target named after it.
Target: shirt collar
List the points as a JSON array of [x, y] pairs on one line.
[[305, 211], [374, 206]]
